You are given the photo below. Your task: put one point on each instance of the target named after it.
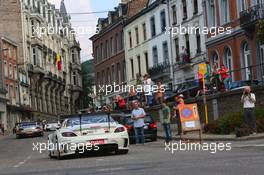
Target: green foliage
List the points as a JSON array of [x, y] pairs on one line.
[[228, 123], [260, 35], [88, 82]]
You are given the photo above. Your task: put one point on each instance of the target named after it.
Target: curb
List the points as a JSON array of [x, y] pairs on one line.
[[246, 138]]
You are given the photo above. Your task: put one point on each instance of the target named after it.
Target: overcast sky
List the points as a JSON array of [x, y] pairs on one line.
[[86, 21]]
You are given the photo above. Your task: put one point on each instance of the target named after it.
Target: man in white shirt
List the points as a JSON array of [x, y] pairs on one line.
[[249, 99], [148, 90], [138, 115]]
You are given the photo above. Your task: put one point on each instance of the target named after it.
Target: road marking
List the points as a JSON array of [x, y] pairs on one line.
[[110, 169], [22, 162]]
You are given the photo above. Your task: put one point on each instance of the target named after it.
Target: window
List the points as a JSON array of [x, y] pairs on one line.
[[6, 69], [101, 52], [74, 77], [146, 60], [198, 41], [177, 49], [195, 7], [132, 68], [163, 20], [137, 37], [187, 42], [111, 46], [130, 39], [106, 49], [32, 28], [224, 11], [228, 59], [139, 64], [144, 31], [15, 72], [184, 10], [165, 52], [242, 5], [113, 73], [121, 40], [214, 59], [116, 43], [34, 55], [246, 73], [73, 56], [118, 73], [10, 71], [108, 76], [211, 13], [155, 56], [174, 14], [153, 26]]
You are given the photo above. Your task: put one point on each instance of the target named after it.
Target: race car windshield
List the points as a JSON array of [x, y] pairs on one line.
[[89, 120], [27, 125]]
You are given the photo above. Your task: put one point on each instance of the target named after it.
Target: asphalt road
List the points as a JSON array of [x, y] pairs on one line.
[[245, 158]]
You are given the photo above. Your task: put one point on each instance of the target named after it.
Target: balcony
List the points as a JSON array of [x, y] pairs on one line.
[[35, 69], [249, 17], [160, 70], [184, 63]]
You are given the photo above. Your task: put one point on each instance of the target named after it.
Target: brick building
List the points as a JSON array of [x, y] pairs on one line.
[[240, 49], [9, 61], [108, 51]]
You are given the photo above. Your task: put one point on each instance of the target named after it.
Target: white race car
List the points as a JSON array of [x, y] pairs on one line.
[[94, 132]]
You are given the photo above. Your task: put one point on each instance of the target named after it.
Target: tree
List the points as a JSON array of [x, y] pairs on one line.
[[88, 83]]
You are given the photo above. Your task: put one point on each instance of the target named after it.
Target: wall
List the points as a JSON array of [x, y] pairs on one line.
[[219, 105]]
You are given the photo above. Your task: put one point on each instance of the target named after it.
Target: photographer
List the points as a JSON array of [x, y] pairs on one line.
[[249, 99]]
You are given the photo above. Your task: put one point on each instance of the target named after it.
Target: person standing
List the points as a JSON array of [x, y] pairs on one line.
[[148, 90], [249, 99], [226, 79], [166, 118], [138, 115], [159, 96], [178, 101]]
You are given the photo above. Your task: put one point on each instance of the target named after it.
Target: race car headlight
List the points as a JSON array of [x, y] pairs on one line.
[[68, 134], [120, 129]]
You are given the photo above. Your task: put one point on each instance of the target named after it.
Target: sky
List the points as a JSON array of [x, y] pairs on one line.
[[86, 22]]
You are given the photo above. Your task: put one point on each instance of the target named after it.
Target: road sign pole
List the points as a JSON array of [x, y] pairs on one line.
[[205, 102]]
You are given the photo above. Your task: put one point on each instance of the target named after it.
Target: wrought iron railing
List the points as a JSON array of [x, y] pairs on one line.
[[251, 15]]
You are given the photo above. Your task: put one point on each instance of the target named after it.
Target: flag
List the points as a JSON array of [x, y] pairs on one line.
[[58, 62]]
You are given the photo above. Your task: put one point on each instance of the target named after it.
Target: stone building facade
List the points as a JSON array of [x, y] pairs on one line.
[[187, 14], [49, 62]]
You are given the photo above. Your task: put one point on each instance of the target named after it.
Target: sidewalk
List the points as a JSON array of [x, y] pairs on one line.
[[214, 137]]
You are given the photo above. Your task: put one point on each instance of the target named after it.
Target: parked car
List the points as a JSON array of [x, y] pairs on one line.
[[52, 126], [96, 130], [28, 129], [241, 84], [150, 128]]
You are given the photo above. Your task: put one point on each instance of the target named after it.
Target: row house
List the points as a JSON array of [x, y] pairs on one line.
[[108, 53], [240, 50], [188, 46], [147, 46], [48, 57], [11, 82]]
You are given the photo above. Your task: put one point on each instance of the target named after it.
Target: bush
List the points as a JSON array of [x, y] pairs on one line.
[[228, 123]]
